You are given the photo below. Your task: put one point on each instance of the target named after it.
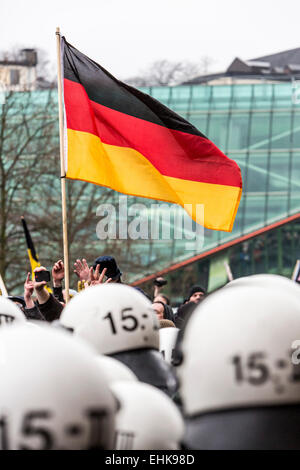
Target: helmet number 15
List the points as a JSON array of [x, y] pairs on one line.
[[127, 322], [253, 370]]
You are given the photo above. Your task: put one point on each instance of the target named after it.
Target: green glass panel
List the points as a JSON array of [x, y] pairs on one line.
[[283, 95], [200, 121], [238, 131], [296, 130], [295, 182], [242, 96], [201, 97], [146, 89], [295, 202], [254, 212], [162, 94], [281, 137], [217, 129], [210, 238], [255, 173], [222, 97], [279, 172], [260, 130], [180, 98], [262, 96], [277, 207], [217, 271]]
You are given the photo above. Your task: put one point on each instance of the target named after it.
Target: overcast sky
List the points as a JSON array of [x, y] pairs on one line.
[[127, 35]]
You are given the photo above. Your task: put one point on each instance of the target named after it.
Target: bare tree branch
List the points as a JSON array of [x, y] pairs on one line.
[[167, 73]]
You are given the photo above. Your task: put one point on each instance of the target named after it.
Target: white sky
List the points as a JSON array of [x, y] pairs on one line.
[[125, 36]]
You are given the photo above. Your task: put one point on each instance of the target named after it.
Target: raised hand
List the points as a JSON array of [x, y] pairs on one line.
[[96, 277], [28, 291], [82, 269], [58, 273], [39, 287]]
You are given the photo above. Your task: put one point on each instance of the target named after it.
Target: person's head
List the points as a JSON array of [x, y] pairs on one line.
[[159, 309], [112, 270], [162, 298], [166, 324], [143, 292], [18, 301], [196, 294]]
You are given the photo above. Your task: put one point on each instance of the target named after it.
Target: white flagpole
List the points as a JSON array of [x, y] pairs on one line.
[[228, 271], [3, 288], [296, 270], [62, 166]]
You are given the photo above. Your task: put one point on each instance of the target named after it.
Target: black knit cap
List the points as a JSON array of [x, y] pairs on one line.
[[108, 262], [195, 289]]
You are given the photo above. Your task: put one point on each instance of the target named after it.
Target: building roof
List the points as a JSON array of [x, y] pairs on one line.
[[281, 59], [26, 58], [294, 67], [23, 63], [281, 66], [257, 63]]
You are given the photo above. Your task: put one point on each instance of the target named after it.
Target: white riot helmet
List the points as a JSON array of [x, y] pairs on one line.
[[146, 419], [237, 357], [115, 370], [9, 312], [268, 280], [167, 341], [113, 318], [53, 394]]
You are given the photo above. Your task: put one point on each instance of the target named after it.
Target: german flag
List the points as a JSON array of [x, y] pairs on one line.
[[33, 258], [123, 139]]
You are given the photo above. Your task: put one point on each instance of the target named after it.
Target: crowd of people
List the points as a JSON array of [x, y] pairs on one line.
[[114, 368]]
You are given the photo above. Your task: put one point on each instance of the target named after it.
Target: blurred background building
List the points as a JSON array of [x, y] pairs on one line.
[[19, 73]]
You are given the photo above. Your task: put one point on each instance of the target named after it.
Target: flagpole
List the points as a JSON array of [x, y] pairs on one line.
[[3, 288], [296, 270], [228, 271], [62, 167]]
